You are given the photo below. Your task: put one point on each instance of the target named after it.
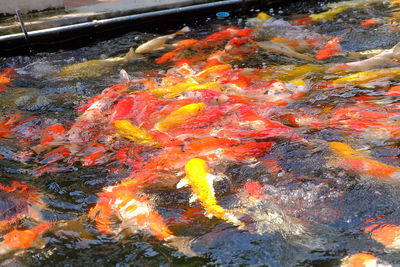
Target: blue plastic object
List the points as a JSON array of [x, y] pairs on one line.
[[222, 15]]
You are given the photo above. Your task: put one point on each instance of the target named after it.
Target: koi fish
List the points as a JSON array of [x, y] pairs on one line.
[[51, 136], [386, 234], [364, 78], [135, 213], [179, 116], [363, 259], [201, 183], [337, 8], [283, 49], [95, 68], [136, 134], [331, 49], [158, 42], [383, 59], [5, 78], [20, 239], [370, 22], [361, 163]]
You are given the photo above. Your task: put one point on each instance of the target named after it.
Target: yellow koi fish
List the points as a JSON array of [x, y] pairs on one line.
[[364, 77], [179, 116], [95, 68], [337, 8], [135, 133], [361, 163], [201, 183], [158, 42], [189, 85]]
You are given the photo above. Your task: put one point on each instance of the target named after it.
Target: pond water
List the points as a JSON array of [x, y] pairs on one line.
[[303, 144]]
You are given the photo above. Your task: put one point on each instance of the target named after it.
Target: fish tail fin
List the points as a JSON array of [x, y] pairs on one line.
[[182, 244], [235, 221], [131, 55], [183, 30]]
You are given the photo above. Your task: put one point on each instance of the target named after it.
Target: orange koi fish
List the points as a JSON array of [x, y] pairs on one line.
[[133, 211], [20, 239], [393, 91], [360, 163], [5, 78], [386, 234], [133, 214], [364, 259], [331, 49], [19, 201], [8, 123]]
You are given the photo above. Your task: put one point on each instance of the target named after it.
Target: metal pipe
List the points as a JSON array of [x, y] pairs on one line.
[[122, 19], [25, 32]]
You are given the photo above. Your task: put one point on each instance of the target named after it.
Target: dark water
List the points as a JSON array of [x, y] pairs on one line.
[[313, 214]]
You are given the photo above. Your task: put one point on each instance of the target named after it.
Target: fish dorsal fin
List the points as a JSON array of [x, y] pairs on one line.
[[131, 55], [182, 183], [396, 50]]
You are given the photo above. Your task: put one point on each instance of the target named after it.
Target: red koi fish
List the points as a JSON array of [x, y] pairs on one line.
[[5, 78], [85, 126], [138, 108], [254, 126], [331, 48], [254, 189], [8, 123], [247, 150], [370, 22], [393, 91], [51, 136], [226, 34], [304, 21]]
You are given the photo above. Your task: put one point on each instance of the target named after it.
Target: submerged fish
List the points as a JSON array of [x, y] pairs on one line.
[[364, 78], [135, 213], [337, 8], [283, 49], [201, 183], [95, 68], [361, 163], [382, 59], [364, 259], [158, 42], [5, 78], [386, 234]]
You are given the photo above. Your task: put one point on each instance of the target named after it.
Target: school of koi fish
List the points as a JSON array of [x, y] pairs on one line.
[[241, 145]]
